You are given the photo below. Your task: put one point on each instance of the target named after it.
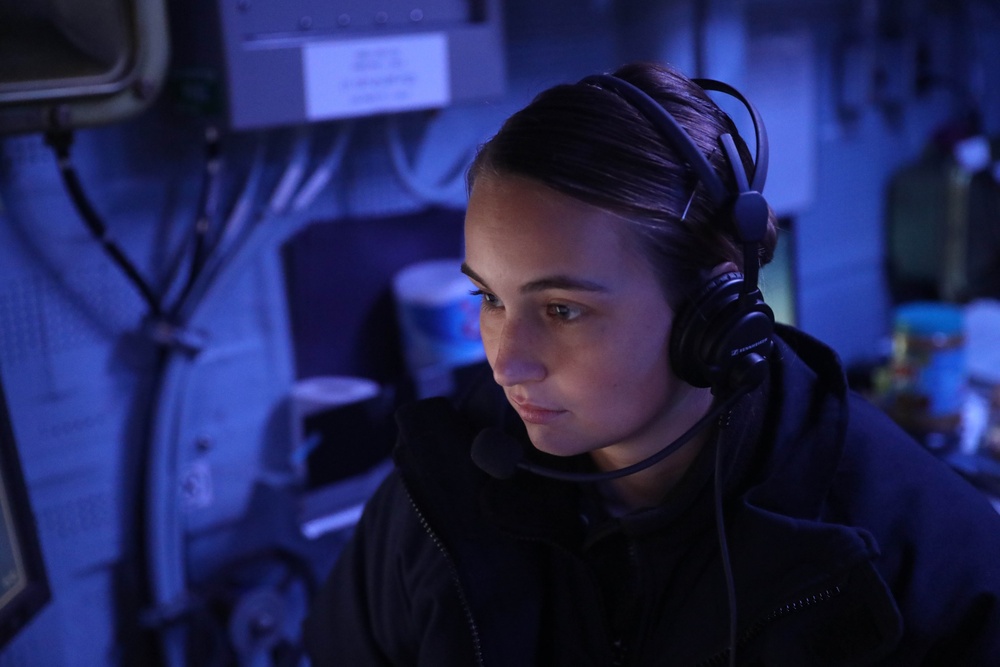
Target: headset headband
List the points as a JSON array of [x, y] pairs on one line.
[[760, 132], [748, 207], [678, 137]]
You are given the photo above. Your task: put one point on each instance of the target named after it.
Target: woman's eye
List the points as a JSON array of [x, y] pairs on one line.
[[488, 300], [564, 312]]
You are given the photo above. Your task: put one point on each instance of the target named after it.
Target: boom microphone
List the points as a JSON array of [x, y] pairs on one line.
[[500, 454]]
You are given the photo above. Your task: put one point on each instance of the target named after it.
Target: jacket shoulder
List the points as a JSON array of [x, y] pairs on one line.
[[937, 536]]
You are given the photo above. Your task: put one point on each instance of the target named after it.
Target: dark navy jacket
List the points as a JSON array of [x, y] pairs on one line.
[[850, 545]]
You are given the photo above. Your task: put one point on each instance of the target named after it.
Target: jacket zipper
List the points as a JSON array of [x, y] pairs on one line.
[[453, 571], [721, 657], [619, 647]]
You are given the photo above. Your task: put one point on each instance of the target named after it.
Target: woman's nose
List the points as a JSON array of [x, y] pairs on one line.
[[515, 356]]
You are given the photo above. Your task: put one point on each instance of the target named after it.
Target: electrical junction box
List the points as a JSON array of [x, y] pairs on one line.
[[300, 61]]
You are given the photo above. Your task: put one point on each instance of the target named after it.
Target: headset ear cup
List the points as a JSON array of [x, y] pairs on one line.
[[687, 339], [719, 340]]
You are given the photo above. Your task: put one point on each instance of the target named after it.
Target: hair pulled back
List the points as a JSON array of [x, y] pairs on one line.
[[593, 145]]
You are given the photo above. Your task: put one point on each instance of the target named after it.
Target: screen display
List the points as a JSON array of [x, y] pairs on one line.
[[779, 280], [24, 588], [13, 578]]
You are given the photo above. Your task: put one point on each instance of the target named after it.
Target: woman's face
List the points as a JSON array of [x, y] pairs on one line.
[[575, 325]]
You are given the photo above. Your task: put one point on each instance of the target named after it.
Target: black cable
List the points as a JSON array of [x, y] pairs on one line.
[[727, 566], [206, 211], [60, 141], [132, 576]]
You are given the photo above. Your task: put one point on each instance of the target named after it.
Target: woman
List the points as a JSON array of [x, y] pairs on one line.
[[613, 276]]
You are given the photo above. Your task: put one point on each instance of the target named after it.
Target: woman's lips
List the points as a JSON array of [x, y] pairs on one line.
[[535, 414]]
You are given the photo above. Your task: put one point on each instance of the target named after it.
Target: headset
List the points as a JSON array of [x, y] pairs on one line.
[[722, 334]]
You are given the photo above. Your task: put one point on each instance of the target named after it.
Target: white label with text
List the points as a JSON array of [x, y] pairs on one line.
[[357, 77]]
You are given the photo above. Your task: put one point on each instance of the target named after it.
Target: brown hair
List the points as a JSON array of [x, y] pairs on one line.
[[593, 145]]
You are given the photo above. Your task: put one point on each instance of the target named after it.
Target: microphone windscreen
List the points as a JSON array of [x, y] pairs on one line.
[[496, 453]]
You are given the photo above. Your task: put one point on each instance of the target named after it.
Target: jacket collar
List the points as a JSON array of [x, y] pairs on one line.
[[803, 432]]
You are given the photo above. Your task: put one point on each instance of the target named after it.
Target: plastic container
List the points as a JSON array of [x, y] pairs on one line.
[[928, 371], [340, 427], [438, 317]]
